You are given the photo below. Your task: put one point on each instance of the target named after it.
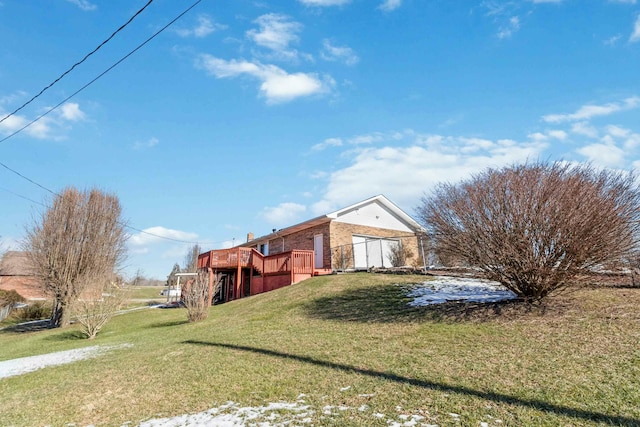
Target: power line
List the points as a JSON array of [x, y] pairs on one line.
[[77, 63], [26, 178], [23, 197], [103, 73], [80, 90], [119, 222]]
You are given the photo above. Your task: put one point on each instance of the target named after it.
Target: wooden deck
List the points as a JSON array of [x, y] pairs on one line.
[[261, 273]]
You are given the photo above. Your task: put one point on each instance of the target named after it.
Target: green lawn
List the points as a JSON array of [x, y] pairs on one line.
[[357, 352], [145, 292]]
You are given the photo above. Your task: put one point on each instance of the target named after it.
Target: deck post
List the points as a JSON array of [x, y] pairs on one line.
[[210, 299], [238, 295]]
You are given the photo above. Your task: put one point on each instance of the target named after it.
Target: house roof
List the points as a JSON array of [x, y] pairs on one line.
[[395, 210]]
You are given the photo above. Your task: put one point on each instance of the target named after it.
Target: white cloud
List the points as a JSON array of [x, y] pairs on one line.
[[410, 171], [618, 131], [276, 85], [324, 3], [205, 26], [47, 127], [558, 134], [512, 27], [329, 142], [71, 111], [590, 111], [276, 32], [159, 234], [390, 5], [283, 214], [338, 53], [635, 34], [613, 40], [84, 5], [607, 155], [151, 142], [9, 99], [364, 139], [367, 138], [585, 129]]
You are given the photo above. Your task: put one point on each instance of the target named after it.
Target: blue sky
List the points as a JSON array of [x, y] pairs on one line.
[[245, 116]]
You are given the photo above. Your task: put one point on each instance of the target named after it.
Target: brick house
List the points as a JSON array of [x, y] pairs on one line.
[[357, 237], [15, 274]]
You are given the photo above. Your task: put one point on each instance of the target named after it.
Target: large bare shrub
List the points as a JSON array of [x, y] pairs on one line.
[[535, 227], [79, 237], [195, 296], [101, 299]]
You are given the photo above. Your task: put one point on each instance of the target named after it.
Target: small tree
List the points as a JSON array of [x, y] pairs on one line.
[[172, 279], [79, 237], [535, 227], [102, 298], [342, 257], [195, 296], [399, 254]]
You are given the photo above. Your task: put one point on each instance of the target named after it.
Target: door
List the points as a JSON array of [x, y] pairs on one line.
[[359, 252], [318, 251]]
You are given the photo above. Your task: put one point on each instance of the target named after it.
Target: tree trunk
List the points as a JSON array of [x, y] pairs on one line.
[[60, 314]]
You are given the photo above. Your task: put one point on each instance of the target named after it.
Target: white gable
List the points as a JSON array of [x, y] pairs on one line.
[[372, 214]]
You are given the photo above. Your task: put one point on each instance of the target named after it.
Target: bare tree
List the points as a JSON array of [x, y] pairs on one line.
[[191, 259], [102, 298], [79, 237], [535, 227], [195, 296]]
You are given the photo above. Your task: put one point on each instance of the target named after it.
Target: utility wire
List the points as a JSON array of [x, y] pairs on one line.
[[77, 63], [26, 178], [78, 91], [119, 222], [103, 73], [23, 197]]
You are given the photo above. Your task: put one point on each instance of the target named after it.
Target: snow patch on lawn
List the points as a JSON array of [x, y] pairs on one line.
[[23, 365], [232, 414], [444, 288], [278, 414]]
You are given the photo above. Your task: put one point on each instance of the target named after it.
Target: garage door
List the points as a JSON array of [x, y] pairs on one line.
[[371, 252]]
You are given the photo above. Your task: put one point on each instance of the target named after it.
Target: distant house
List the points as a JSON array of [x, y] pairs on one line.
[[357, 237], [15, 273]]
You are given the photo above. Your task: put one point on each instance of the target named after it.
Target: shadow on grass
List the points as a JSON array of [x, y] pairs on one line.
[[169, 324], [539, 405], [32, 326], [388, 303], [67, 336]]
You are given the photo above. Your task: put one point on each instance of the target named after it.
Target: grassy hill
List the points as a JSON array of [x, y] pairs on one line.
[[346, 350]]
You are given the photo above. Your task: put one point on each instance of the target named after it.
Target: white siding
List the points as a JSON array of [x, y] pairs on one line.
[[373, 215]]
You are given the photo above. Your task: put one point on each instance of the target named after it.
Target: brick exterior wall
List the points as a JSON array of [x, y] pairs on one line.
[[26, 286], [336, 235], [303, 240]]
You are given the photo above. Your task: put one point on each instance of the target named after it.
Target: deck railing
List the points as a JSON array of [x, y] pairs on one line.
[[295, 262]]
